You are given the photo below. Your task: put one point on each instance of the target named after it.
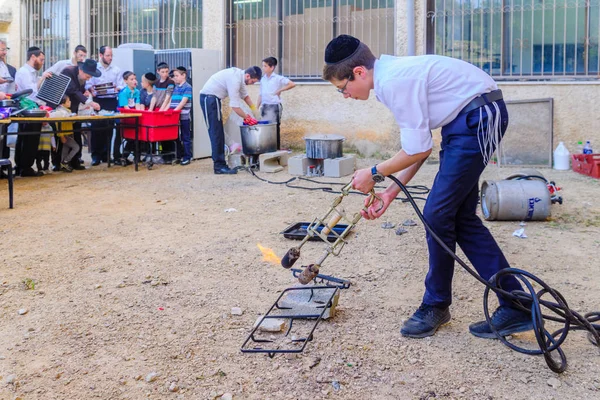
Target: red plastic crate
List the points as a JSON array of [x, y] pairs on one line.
[[154, 126], [587, 164]]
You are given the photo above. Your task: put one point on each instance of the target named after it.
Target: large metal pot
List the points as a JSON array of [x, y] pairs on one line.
[[324, 146], [259, 139]]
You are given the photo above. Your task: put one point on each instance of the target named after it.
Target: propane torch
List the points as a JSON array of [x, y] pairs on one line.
[[321, 228]]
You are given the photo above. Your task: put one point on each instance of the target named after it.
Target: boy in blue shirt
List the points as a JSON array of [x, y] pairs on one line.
[[129, 97], [182, 100]]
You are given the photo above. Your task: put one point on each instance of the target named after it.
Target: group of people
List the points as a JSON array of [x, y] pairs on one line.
[[232, 82], [102, 85], [94, 85]]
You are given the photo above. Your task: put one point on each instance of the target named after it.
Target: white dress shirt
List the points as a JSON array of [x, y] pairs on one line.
[[111, 74], [27, 78], [269, 85], [59, 66], [4, 74], [426, 92], [228, 82]]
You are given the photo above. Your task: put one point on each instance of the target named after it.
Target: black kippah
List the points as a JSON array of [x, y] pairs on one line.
[[341, 48], [150, 76]]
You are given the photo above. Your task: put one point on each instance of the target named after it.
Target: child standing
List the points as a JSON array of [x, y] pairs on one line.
[[182, 100], [163, 91], [129, 97], [69, 145], [147, 98], [424, 93], [164, 87], [271, 87], [42, 159]]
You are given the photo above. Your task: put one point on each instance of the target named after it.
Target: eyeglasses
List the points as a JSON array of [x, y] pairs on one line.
[[5, 49], [343, 90]]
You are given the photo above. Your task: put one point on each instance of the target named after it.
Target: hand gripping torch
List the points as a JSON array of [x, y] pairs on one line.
[[320, 228]]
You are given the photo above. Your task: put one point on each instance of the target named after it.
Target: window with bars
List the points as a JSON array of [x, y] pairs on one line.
[[519, 39], [45, 24], [164, 24], [296, 32]]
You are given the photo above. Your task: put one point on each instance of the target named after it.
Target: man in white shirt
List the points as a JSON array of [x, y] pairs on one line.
[[107, 98], [7, 71], [7, 85], [230, 82], [27, 78], [271, 87], [425, 93], [79, 56]]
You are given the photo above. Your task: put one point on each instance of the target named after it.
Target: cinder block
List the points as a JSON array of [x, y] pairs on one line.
[[297, 165], [338, 167], [273, 161], [310, 302]]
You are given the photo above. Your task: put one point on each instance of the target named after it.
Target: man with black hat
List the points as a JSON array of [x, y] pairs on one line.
[[424, 93], [228, 82], [79, 75]]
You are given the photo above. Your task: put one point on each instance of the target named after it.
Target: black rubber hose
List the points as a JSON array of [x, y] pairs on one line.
[[529, 300]]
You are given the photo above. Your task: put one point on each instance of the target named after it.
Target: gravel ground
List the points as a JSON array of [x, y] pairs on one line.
[[126, 283]]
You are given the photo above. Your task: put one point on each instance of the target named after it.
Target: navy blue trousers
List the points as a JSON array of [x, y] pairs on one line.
[[451, 206], [211, 108], [184, 146]]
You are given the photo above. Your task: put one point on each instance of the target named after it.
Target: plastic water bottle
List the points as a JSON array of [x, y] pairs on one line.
[[561, 157], [587, 149], [579, 147]]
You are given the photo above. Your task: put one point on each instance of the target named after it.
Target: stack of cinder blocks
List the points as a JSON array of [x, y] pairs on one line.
[[332, 167]]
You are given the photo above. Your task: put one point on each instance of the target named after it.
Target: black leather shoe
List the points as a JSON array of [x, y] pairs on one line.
[[78, 167], [425, 321], [31, 172], [95, 163], [225, 171]]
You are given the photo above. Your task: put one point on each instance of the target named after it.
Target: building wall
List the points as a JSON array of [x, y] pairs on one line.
[[318, 108]]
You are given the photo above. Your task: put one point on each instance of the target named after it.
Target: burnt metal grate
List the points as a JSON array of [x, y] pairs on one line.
[[269, 343], [53, 89]]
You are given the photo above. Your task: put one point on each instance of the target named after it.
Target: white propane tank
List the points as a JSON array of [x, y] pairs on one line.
[[561, 157]]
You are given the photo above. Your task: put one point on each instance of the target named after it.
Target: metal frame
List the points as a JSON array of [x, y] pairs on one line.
[[520, 20], [267, 21], [164, 24], [550, 102], [45, 24]]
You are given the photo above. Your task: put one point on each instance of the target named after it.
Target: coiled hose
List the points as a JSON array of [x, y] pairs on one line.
[[529, 301]]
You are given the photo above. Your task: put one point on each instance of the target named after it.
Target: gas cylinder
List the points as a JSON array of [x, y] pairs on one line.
[[515, 200]]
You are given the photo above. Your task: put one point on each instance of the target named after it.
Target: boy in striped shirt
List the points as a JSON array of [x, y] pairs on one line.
[[182, 100]]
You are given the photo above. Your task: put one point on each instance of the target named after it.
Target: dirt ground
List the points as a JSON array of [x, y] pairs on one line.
[[130, 277]]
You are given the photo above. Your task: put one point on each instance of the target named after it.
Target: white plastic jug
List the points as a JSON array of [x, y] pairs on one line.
[[561, 157]]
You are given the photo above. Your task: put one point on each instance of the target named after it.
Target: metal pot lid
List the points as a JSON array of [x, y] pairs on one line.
[[323, 136]]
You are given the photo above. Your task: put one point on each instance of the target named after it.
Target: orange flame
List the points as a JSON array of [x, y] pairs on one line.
[[269, 255]]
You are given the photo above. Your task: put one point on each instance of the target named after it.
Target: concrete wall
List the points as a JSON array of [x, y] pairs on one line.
[[318, 108]]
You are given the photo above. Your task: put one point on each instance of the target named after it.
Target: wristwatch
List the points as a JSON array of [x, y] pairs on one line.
[[376, 176]]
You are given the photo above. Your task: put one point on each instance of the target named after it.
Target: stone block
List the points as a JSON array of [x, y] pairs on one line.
[[297, 165], [273, 161], [338, 167], [301, 302]]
